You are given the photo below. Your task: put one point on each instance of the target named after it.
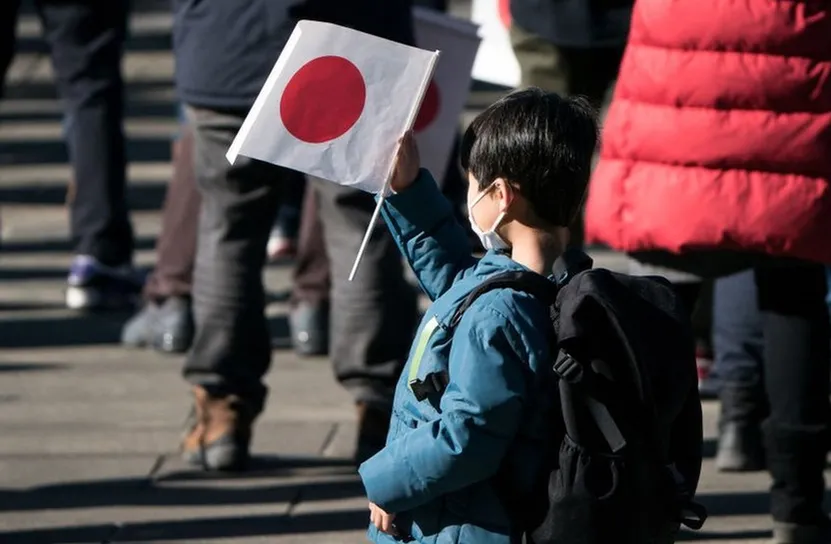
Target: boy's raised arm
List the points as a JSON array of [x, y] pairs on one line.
[[480, 414], [422, 223]]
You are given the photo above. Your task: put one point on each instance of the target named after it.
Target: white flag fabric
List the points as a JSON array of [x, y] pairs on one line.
[[437, 123], [495, 62], [335, 105]]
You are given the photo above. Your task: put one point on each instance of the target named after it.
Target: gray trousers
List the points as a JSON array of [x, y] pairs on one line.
[[373, 317]]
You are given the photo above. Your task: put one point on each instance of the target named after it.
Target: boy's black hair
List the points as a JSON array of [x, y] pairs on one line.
[[539, 142]]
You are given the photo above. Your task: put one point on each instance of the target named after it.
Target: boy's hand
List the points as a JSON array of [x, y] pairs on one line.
[[407, 164], [381, 519]]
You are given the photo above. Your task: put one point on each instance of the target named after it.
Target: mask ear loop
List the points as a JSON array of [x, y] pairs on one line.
[[481, 195], [509, 192], [499, 219]]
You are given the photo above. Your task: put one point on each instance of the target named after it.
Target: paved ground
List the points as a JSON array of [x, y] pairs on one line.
[[85, 426]]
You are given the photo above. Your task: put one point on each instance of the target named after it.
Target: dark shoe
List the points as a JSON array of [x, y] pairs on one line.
[[373, 426], [796, 460], [174, 328], [138, 331], [741, 445], [167, 327], [740, 448], [309, 324], [92, 285], [791, 533], [220, 436]]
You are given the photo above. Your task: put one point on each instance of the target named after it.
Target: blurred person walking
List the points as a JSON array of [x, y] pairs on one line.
[[715, 160], [309, 317], [738, 346], [86, 39], [570, 47], [165, 321], [224, 52]]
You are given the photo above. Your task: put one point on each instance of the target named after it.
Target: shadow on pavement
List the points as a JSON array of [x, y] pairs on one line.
[[39, 90], [92, 329], [739, 503], [708, 448], [195, 489], [31, 273], [136, 43], [184, 492], [31, 367], [58, 245], [197, 529], [141, 196], [280, 333], [262, 466], [733, 536], [29, 306], [50, 332], [45, 152]]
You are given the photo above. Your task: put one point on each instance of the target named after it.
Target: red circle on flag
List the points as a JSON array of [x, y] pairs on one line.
[[429, 108], [323, 99], [505, 12]]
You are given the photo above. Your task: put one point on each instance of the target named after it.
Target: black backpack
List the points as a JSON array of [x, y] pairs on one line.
[[624, 455]]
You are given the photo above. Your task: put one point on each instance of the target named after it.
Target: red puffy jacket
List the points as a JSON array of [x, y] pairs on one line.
[[719, 134]]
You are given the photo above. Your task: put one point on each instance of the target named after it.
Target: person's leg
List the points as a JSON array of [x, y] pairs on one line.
[[796, 356], [708, 379], [738, 344], [541, 63], [166, 322], [8, 36], [282, 242], [373, 318], [86, 41], [309, 317], [232, 346]]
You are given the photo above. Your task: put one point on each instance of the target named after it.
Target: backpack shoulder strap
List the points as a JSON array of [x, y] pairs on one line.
[[520, 280]]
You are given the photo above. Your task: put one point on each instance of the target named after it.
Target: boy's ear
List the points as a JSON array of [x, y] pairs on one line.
[[503, 192]]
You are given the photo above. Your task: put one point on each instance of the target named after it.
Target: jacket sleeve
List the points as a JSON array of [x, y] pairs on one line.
[[422, 223], [480, 415]]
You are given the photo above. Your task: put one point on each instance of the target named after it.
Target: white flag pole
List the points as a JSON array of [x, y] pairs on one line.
[[385, 189]]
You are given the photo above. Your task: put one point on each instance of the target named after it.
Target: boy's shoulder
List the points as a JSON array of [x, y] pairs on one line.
[[502, 308]]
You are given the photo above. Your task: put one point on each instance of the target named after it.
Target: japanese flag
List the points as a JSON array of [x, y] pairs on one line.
[[437, 123], [335, 105], [495, 62]]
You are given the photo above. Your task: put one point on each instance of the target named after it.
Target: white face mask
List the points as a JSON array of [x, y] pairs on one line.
[[490, 239]]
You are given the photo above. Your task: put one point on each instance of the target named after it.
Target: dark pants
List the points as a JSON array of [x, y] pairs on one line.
[[176, 247], [796, 359], [372, 317], [738, 337], [312, 274], [796, 372], [86, 38]]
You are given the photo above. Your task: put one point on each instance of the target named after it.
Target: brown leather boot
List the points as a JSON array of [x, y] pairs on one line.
[[373, 426], [220, 436]]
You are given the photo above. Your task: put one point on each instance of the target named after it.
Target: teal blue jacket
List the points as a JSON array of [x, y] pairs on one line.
[[437, 470]]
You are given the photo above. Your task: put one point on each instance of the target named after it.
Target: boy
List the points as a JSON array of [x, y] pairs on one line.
[[528, 159]]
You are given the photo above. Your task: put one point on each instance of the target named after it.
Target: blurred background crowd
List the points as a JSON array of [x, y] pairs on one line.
[[714, 172]]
